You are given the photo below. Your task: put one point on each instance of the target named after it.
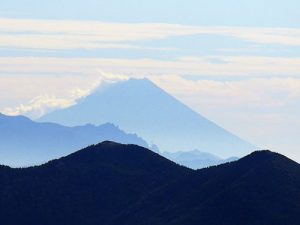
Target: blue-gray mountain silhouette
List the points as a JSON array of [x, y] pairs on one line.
[[113, 184], [139, 106], [24, 142], [196, 159]]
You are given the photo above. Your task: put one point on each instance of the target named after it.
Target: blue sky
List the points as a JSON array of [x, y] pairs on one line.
[[236, 62], [263, 13]]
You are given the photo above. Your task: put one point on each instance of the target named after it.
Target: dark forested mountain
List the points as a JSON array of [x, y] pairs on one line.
[[139, 106], [89, 187], [260, 189], [24, 142], [113, 184]]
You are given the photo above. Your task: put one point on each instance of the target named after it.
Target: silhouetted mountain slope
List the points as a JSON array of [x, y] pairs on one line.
[[139, 106], [113, 184], [88, 187], [260, 189], [24, 142]]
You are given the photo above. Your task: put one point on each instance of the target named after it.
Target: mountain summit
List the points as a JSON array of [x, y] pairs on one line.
[[139, 106]]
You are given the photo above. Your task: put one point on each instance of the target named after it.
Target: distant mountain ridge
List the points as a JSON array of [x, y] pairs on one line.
[[113, 184], [24, 142], [139, 106], [196, 159]]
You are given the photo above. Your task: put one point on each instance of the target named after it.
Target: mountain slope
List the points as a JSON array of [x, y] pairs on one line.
[[142, 107], [113, 184], [88, 187], [262, 188], [24, 142]]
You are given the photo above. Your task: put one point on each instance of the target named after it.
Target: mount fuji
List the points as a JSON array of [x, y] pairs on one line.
[[139, 106]]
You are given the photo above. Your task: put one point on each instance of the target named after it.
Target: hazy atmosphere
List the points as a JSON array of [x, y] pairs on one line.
[[235, 62], [134, 112]]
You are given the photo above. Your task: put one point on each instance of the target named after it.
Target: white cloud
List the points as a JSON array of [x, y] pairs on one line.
[[39, 106], [65, 42], [227, 66], [62, 34], [48, 93], [251, 92]]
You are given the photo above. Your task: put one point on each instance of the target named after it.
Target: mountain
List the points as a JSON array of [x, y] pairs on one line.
[[260, 189], [139, 106], [113, 184], [196, 159], [24, 142], [88, 187]]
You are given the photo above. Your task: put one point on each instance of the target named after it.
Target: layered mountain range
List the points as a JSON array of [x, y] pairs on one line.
[[24, 143]]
